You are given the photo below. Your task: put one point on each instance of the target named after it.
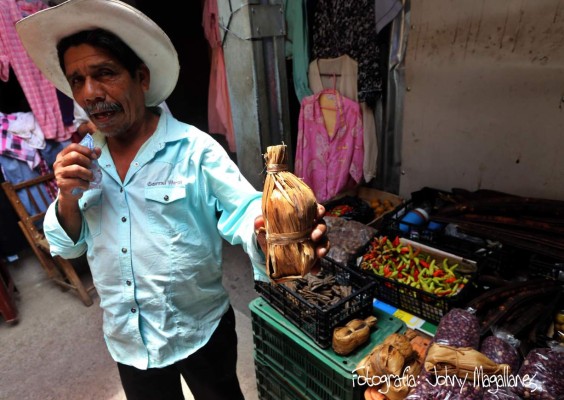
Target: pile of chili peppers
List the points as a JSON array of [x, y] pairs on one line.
[[406, 264], [340, 210]]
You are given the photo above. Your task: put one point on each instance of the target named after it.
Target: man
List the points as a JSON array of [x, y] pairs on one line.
[[170, 194]]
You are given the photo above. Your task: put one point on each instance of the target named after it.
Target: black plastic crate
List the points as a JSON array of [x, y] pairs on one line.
[[443, 237], [315, 321], [545, 267], [419, 302]]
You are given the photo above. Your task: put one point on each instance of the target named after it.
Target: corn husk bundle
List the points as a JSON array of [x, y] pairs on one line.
[[384, 359], [355, 333], [399, 389], [402, 344], [289, 208], [394, 358], [460, 361]]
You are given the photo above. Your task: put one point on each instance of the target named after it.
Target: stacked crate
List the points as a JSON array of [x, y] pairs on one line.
[[291, 365]]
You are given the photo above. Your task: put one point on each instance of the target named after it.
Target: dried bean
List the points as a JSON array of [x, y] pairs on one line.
[[498, 350], [427, 388], [545, 367], [458, 328], [501, 394]]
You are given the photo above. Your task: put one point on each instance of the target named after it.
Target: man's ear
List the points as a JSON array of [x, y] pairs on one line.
[[144, 75]]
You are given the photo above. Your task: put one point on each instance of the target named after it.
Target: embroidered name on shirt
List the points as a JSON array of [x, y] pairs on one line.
[[170, 182]]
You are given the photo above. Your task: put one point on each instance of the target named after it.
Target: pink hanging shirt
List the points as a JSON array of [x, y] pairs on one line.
[[329, 162]]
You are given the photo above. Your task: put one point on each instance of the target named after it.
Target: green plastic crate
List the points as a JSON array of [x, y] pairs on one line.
[[318, 374], [271, 386]]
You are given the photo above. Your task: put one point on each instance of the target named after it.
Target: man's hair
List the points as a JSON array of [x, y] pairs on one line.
[[102, 39]]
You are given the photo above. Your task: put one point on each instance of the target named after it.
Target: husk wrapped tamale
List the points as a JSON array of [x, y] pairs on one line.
[[460, 361], [355, 333], [289, 208]]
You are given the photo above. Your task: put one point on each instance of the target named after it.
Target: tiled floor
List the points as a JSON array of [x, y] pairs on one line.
[[56, 350]]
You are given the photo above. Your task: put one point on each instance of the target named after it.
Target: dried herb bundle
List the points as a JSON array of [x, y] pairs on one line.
[[289, 209]]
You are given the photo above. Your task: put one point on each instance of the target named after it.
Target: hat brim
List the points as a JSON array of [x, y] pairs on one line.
[[41, 31]]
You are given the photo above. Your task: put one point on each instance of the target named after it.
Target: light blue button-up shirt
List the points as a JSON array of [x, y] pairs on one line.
[[154, 242]]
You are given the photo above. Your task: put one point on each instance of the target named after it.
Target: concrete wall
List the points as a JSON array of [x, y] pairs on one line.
[[484, 106]]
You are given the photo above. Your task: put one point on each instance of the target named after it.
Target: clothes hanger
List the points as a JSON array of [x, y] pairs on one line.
[[332, 90]]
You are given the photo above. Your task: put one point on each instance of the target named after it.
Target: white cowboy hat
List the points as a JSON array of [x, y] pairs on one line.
[[40, 32]]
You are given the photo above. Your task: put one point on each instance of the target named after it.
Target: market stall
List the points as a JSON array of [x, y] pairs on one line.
[[447, 294]]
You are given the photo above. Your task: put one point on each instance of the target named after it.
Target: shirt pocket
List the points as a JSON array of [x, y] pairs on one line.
[[167, 209], [91, 205]]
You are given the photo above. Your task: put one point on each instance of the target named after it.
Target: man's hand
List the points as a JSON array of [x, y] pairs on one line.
[[318, 235], [72, 169]]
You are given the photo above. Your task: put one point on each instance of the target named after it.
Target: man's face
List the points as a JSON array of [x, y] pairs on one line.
[[114, 100]]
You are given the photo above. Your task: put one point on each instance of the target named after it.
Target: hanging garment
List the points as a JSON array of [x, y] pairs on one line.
[[15, 147], [297, 45], [16, 171], [348, 27], [342, 73], [39, 92], [329, 162], [28, 7], [219, 107], [23, 124]]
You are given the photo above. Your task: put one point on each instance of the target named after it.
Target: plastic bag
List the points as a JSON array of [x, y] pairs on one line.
[[541, 375], [458, 328], [430, 387], [88, 141], [501, 347]]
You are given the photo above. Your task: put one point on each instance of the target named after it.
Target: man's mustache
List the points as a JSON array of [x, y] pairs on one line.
[[102, 107]]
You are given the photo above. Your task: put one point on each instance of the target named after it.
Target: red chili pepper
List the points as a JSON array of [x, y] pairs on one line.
[[404, 250], [416, 275], [452, 279], [424, 264], [396, 241], [383, 240], [439, 273]]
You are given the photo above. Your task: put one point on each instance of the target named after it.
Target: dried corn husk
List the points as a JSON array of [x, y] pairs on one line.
[[289, 209], [355, 333], [460, 361], [401, 343], [399, 387], [385, 359]]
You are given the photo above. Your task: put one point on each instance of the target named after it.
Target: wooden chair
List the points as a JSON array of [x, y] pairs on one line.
[[8, 290], [39, 193]]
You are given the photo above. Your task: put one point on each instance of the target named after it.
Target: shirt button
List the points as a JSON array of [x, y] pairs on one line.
[[166, 198], [123, 250], [121, 190], [133, 310], [123, 219], [85, 204], [128, 283]]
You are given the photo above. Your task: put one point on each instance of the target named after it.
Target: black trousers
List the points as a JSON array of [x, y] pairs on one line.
[[210, 373]]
